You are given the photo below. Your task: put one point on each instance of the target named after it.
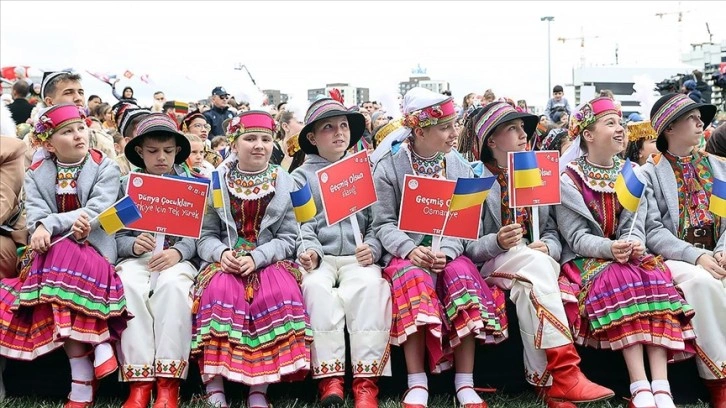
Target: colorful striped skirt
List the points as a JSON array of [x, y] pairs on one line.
[[70, 292], [620, 305], [253, 329], [448, 306]]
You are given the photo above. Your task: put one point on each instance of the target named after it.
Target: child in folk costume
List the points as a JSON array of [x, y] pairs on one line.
[[682, 230], [641, 142], [67, 294], [619, 297], [155, 347], [343, 285], [513, 260], [440, 301], [250, 324]]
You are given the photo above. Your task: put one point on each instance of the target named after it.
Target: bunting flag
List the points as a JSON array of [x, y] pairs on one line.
[[128, 74], [102, 77], [144, 78], [180, 107], [217, 200], [470, 192], [303, 203], [120, 215], [717, 202], [628, 188], [526, 171]]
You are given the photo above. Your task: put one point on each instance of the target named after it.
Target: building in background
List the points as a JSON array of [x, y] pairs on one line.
[[419, 78], [351, 95], [274, 96], [709, 58]]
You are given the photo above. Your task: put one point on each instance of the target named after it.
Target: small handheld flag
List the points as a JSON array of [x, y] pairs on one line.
[[303, 203], [628, 188], [216, 190], [526, 171], [470, 192], [717, 203], [120, 215]]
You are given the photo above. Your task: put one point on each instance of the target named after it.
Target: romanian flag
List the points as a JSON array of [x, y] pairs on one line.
[[717, 204], [303, 204], [470, 192], [526, 172], [119, 216], [217, 200], [628, 188]]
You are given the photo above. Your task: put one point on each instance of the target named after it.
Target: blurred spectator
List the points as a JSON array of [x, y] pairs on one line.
[[689, 88], [606, 93], [219, 111], [93, 101], [703, 87], [488, 97], [558, 102], [20, 109]]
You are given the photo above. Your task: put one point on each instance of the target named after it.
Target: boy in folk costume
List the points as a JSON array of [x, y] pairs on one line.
[[440, 302], [682, 229], [529, 272], [156, 345], [343, 285]]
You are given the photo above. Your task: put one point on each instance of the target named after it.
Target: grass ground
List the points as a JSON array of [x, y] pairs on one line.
[[494, 400]]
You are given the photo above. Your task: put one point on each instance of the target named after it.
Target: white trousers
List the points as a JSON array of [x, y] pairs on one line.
[[341, 293], [707, 296], [157, 341], [531, 277]]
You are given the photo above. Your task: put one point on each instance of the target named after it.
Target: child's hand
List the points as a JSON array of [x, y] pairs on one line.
[[710, 264], [40, 241], [638, 251], [621, 251], [247, 265], [82, 227], [364, 255], [164, 259], [143, 243], [229, 262], [509, 236], [540, 246], [439, 263], [309, 260], [422, 256]]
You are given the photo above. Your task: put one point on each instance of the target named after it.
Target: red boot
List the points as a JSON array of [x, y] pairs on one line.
[[568, 382], [365, 393], [140, 394], [331, 391], [543, 394], [80, 404], [167, 393], [717, 388]]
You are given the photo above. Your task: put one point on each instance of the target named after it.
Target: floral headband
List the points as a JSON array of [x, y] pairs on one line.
[[589, 113], [431, 116], [57, 117], [249, 122]]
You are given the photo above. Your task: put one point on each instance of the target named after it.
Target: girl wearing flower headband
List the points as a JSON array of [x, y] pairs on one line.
[[617, 296], [426, 283], [683, 230], [248, 306], [514, 260], [67, 293]]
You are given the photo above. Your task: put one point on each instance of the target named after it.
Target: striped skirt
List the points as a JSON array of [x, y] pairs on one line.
[[253, 329], [614, 306], [70, 292], [448, 307]]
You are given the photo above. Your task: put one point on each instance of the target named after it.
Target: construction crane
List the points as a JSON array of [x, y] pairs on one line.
[[582, 39], [680, 14]]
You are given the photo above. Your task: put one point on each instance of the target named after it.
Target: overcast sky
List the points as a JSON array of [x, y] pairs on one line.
[[187, 47]]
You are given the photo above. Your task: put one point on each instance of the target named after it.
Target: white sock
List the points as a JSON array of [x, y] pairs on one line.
[[101, 353], [417, 395], [81, 370], [466, 395], [217, 399], [643, 399], [662, 400], [257, 400]]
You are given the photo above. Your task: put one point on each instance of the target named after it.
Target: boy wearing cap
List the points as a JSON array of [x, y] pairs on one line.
[[681, 228], [157, 342], [219, 111], [62, 87], [343, 285]]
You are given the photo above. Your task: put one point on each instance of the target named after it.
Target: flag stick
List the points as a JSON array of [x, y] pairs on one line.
[[535, 224], [157, 249], [632, 224], [302, 242], [71, 232], [436, 243], [356, 230]]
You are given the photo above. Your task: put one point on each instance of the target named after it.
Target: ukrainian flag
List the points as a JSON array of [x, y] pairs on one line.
[[470, 192], [217, 200], [526, 171], [303, 203], [119, 216], [628, 188], [717, 204]]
